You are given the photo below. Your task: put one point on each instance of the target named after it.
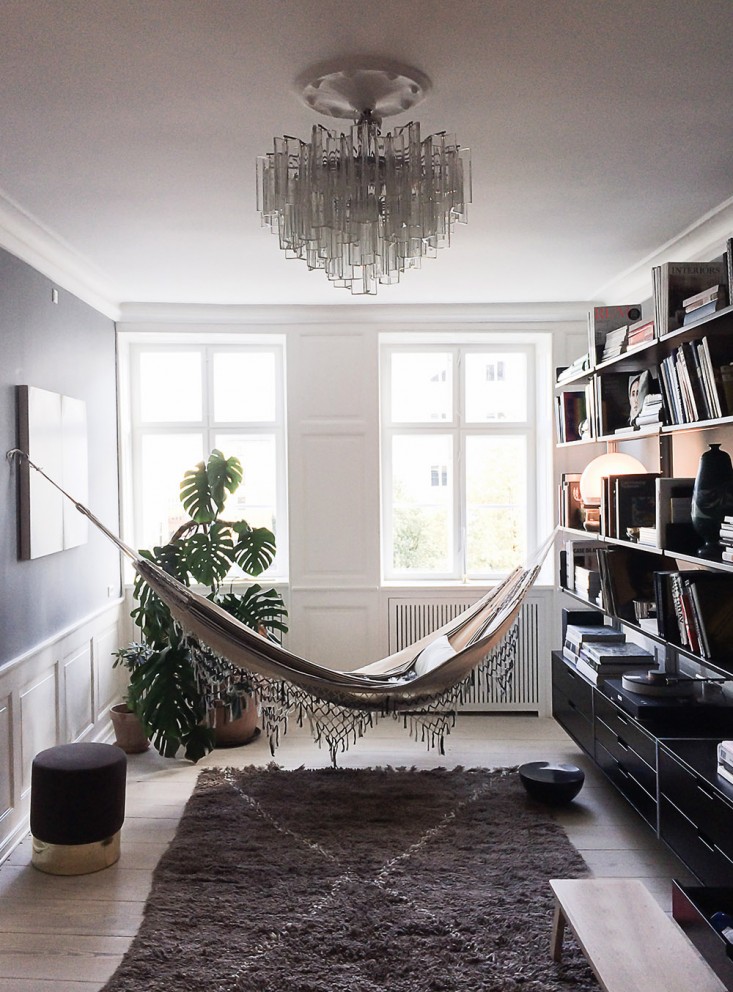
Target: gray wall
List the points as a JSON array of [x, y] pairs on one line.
[[67, 348]]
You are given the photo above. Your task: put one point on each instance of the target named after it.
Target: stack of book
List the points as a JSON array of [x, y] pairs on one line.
[[579, 366], [725, 760], [652, 410], [588, 582], [615, 343], [707, 301], [726, 538], [692, 385], [601, 652], [640, 333], [601, 320]]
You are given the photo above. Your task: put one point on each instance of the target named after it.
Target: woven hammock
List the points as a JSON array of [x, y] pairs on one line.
[[422, 685]]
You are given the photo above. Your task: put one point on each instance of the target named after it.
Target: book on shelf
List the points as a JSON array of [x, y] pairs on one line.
[[576, 635], [709, 295], [694, 383], [648, 536], [674, 282], [570, 414], [602, 320], [702, 602], [635, 502], [725, 753], [583, 617], [603, 672], [725, 773], [697, 313], [571, 505], [615, 343], [580, 560], [640, 333], [577, 367], [624, 653]]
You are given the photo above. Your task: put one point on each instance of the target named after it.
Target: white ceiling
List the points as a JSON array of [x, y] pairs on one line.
[[598, 129]]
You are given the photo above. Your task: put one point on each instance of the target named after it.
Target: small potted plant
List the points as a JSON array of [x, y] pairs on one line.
[[178, 687], [129, 732]]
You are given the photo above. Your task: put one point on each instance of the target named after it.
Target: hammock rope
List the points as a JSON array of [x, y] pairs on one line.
[[341, 705]]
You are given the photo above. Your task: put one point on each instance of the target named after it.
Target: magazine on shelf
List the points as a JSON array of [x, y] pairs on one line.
[[602, 320], [616, 654], [674, 282]]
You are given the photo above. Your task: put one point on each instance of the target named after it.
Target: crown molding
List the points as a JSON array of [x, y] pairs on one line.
[[32, 242], [704, 239], [137, 316]]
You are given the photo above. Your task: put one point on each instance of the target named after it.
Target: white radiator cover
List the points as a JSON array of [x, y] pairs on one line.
[[412, 617]]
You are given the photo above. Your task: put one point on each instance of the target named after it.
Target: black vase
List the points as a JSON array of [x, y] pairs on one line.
[[710, 497]]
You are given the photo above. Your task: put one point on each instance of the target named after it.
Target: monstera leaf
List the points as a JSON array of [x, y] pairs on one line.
[[151, 614], [165, 696], [256, 608], [255, 549], [204, 488], [209, 554]]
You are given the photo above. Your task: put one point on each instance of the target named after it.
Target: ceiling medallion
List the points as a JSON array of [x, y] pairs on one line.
[[364, 206]]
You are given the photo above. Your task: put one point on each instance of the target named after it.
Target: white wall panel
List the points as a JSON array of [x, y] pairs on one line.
[[336, 628], [38, 721], [6, 767], [78, 692], [334, 534], [332, 377], [108, 681]]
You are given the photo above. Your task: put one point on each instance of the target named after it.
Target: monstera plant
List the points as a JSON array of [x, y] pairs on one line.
[[175, 682]]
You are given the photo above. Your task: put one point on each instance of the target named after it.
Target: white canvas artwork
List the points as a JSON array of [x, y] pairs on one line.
[[52, 429]]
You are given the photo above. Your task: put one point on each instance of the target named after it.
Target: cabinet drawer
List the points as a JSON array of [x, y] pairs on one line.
[[698, 801], [625, 782], [572, 719], [573, 686], [619, 748], [693, 846], [624, 726]]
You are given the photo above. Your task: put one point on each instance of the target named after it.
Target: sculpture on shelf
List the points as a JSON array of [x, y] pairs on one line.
[[711, 497]]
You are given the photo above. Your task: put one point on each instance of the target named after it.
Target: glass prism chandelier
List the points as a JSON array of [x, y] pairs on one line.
[[364, 206]]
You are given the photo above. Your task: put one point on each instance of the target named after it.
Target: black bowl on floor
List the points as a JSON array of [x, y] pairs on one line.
[[549, 783]]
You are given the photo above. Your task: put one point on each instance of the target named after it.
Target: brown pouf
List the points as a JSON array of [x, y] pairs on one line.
[[77, 807]]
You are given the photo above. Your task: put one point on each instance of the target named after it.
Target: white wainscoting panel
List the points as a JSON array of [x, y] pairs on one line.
[[335, 627], [38, 721], [333, 381], [78, 692], [56, 693], [336, 486], [6, 765]]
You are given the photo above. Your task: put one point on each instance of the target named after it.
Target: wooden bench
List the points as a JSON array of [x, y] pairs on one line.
[[630, 942]]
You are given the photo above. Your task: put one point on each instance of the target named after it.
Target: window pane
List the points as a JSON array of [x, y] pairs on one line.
[[422, 387], [496, 386], [164, 460], [255, 499], [244, 386], [170, 386], [422, 503], [496, 486]]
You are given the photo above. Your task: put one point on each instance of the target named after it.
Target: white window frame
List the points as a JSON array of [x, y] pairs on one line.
[[133, 429], [538, 510]]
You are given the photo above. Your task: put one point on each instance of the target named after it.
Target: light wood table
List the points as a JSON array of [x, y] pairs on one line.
[[630, 942]]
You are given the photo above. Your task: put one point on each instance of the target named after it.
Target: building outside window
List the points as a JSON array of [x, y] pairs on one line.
[[182, 401], [459, 453]]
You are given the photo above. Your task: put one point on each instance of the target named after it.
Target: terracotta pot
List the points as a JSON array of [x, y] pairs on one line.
[[231, 733], [129, 733]]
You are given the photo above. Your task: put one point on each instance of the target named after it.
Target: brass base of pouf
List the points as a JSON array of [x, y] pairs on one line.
[[75, 859]]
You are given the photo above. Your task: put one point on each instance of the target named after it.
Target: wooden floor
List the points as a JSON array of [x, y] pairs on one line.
[[68, 934]]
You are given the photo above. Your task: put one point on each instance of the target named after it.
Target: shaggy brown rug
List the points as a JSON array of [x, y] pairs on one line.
[[356, 881]]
